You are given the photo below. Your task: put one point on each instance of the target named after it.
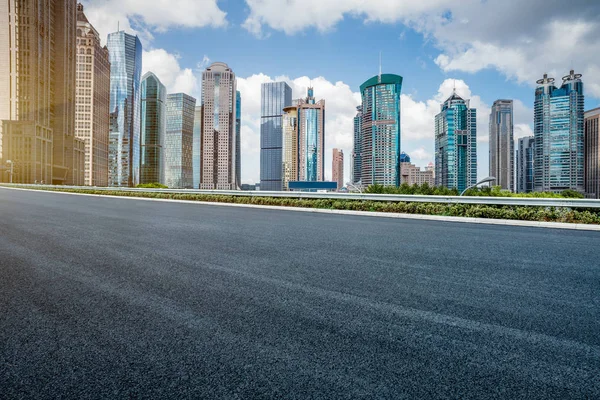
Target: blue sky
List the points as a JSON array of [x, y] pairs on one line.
[[488, 49]]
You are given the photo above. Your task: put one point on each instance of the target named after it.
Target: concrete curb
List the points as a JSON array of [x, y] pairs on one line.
[[488, 221]]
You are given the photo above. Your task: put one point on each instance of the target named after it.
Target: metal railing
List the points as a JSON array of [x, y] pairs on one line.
[[509, 201]]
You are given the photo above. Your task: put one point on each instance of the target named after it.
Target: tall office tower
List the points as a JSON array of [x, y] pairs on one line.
[[92, 100], [356, 148], [37, 82], [525, 155], [238, 138], [289, 146], [197, 147], [337, 168], [380, 130], [125, 53], [218, 128], [592, 153], [456, 144], [274, 97], [179, 140], [558, 130], [153, 129], [502, 159], [311, 138]]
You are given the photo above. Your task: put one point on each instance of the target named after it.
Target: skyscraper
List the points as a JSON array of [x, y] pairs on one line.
[[218, 128], [274, 97], [456, 144], [502, 161], [238, 138], [153, 125], [311, 138], [525, 154], [356, 148], [592, 153], [337, 168], [125, 53], [37, 82], [197, 147], [558, 131], [92, 100], [179, 140], [380, 130], [289, 146]]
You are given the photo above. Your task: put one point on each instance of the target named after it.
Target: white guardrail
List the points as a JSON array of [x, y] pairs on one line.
[[508, 201]]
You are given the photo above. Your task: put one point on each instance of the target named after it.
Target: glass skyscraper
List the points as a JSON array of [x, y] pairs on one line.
[[502, 159], [356, 149], [238, 137], [456, 144], [125, 52], [197, 147], [154, 98], [179, 140], [380, 130], [558, 132], [311, 138], [525, 153], [275, 96]]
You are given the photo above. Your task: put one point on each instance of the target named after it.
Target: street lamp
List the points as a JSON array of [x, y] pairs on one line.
[[359, 187], [484, 180], [11, 169]]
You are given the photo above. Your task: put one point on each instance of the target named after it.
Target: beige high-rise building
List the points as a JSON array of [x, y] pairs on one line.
[[92, 100], [289, 146], [37, 82], [337, 168], [218, 170]]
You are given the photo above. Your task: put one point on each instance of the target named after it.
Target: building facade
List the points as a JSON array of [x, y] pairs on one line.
[[125, 53], [274, 97], [413, 175], [456, 144], [153, 125], [558, 132], [355, 165], [197, 147], [37, 82], [337, 168], [289, 146], [525, 155], [592, 154], [92, 101], [311, 138], [380, 131], [238, 138], [502, 158], [218, 169], [179, 139]]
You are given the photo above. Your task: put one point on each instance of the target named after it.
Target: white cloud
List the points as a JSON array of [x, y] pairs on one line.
[[166, 67], [144, 18]]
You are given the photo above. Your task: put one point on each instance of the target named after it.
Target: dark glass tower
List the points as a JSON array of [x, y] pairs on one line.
[[154, 97]]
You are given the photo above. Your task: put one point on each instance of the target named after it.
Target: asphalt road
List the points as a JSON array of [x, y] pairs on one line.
[[118, 298]]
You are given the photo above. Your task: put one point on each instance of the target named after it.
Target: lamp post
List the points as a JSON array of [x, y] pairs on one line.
[[11, 169], [484, 180]]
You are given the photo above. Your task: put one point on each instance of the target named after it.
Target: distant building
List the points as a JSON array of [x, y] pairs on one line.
[[380, 130], [125, 53], [337, 168], [311, 138], [456, 144], [274, 97], [355, 175], [179, 140], [592, 153], [219, 155], [92, 100], [197, 147], [246, 186], [413, 175], [502, 158], [238, 137], [558, 132], [153, 129], [289, 146], [525, 155]]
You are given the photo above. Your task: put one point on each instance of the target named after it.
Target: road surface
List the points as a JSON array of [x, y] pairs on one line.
[[119, 298]]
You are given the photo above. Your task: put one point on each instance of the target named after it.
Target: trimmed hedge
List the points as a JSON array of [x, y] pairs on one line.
[[523, 213]]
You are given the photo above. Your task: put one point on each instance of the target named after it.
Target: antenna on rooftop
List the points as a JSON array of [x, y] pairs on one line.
[[454, 89], [379, 66]]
